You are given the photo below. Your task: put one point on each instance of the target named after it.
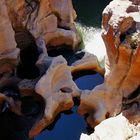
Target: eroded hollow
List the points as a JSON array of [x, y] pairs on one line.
[[66, 52], [26, 69], [15, 127]]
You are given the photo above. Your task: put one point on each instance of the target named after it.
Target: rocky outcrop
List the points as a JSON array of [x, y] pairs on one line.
[[49, 24], [58, 89], [46, 19], [115, 128], [120, 89], [86, 63], [8, 52]]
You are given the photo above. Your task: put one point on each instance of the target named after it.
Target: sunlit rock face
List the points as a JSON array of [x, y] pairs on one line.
[[57, 89], [87, 62], [115, 128], [120, 90], [8, 51], [46, 18]]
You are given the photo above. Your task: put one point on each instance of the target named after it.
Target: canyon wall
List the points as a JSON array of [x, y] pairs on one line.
[[46, 18], [30, 28], [120, 90]]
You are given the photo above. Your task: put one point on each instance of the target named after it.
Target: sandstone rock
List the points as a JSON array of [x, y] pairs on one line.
[[46, 25], [115, 128], [57, 88], [57, 26], [59, 37], [8, 51], [88, 62], [47, 19], [27, 87], [119, 91], [43, 61], [63, 5]]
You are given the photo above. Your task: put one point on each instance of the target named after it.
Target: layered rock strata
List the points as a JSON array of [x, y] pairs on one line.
[[51, 19], [120, 90]]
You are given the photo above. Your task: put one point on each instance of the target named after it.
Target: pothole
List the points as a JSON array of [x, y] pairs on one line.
[[15, 127], [69, 126], [28, 55], [67, 53]]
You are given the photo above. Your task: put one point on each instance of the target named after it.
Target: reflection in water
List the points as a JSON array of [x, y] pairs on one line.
[[89, 81], [68, 127]]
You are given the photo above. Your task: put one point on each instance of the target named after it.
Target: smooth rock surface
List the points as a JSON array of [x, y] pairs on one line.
[[87, 62], [8, 52], [46, 18], [120, 90], [58, 89]]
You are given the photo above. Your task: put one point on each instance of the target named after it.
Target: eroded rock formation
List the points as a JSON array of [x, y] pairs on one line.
[[9, 54], [87, 62], [46, 18], [58, 89], [37, 25], [122, 78], [28, 29]]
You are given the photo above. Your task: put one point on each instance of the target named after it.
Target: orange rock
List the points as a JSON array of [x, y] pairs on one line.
[[8, 51], [51, 19], [120, 90], [57, 89]]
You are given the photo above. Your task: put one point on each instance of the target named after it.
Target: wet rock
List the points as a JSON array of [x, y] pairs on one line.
[[57, 88]]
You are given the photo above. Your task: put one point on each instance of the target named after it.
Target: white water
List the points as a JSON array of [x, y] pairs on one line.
[[93, 41]]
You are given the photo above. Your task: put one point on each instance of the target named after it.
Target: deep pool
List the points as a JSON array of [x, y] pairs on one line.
[[69, 126]]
